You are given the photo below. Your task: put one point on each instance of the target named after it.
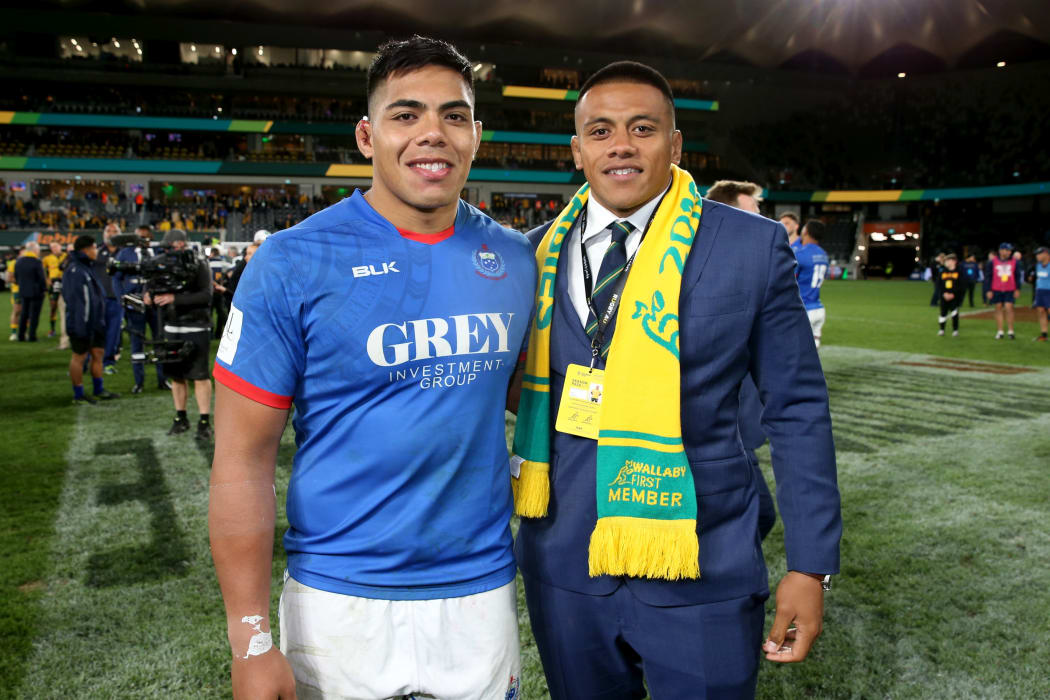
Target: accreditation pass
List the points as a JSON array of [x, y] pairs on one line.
[[580, 409]]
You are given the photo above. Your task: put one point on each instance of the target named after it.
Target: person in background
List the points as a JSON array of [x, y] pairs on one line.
[[85, 320], [810, 273], [1004, 273], [138, 321], [1041, 302], [951, 287], [32, 285], [16, 297], [742, 195], [238, 270], [974, 275], [790, 222], [53, 265], [187, 318], [114, 309]]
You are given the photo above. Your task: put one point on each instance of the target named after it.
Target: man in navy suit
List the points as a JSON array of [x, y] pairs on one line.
[[740, 313]]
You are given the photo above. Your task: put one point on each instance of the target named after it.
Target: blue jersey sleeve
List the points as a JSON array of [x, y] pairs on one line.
[[262, 354]]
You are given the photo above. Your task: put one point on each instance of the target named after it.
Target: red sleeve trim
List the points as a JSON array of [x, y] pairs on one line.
[[266, 398]]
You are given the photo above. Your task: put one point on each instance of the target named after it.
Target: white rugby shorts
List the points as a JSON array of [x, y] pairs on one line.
[[816, 322], [342, 646]]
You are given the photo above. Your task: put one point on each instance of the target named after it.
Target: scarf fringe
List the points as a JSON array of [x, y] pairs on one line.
[[532, 489], [641, 547]]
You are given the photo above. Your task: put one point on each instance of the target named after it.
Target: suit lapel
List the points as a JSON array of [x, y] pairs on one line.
[[562, 302], [703, 244]]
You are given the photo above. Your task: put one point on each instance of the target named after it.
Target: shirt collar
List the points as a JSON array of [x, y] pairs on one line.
[[599, 218]]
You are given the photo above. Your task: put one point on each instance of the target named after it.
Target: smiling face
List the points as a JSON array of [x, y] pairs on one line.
[[625, 143], [421, 137]]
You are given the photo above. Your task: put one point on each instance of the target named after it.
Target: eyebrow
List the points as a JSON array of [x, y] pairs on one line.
[[416, 104], [632, 120]]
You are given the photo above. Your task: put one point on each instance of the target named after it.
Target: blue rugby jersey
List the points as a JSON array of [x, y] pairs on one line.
[[396, 350], [1042, 277], [810, 272]]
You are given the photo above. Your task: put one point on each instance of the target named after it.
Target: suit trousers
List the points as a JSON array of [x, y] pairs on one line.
[[30, 317], [601, 647]]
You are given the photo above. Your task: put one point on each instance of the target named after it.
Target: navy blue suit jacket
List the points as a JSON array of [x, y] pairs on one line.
[[740, 313]]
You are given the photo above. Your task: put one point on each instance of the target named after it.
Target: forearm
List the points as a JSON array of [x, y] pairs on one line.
[[241, 510], [241, 524]]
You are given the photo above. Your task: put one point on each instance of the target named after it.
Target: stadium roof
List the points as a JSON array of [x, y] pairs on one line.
[[861, 37]]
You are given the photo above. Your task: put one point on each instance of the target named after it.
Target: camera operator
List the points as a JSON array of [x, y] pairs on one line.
[[187, 318], [137, 321]]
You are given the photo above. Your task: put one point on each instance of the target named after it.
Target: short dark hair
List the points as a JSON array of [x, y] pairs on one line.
[[407, 55], [815, 229], [789, 215], [629, 72], [83, 242]]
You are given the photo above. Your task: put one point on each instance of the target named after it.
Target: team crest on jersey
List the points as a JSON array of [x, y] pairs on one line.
[[488, 263], [512, 689]]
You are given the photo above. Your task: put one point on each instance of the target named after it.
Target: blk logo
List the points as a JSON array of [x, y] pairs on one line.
[[372, 270]]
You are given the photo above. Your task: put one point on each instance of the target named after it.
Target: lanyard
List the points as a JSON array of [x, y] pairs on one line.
[[605, 318]]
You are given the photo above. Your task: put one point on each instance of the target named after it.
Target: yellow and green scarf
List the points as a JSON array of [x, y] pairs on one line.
[[646, 500]]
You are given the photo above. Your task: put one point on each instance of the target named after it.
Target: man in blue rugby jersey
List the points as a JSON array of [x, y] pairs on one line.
[[392, 321], [811, 271]]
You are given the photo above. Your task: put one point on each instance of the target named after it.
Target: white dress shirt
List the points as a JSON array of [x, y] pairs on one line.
[[595, 240]]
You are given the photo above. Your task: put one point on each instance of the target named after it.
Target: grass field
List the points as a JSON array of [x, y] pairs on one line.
[[943, 445]]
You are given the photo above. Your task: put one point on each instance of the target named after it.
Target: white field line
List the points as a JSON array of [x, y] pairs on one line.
[[97, 641]]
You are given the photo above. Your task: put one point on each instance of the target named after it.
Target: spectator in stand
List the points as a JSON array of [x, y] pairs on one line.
[[32, 285], [1004, 288]]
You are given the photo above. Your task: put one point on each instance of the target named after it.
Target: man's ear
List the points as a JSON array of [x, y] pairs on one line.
[[477, 137], [577, 156], [676, 147], [363, 133]]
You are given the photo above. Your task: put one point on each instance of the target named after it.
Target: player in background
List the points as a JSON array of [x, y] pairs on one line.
[[790, 222], [811, 270], [951, 289], [393, 322], [1003, 274], [53, 266], [1041, 303]]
